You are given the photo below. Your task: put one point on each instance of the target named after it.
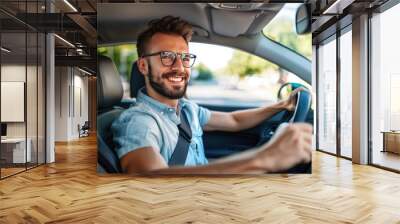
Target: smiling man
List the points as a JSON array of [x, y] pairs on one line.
[[162, 134]]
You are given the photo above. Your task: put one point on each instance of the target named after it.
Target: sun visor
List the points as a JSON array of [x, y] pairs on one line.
[[231, 23]]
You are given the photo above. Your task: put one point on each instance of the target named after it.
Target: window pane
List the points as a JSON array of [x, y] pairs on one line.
[[227, 77], [282, 29], [327, 97], [386, 88], [123, 57], [31, 97], [41, 98], [346, 94], [23, 85], [231, 77], [13, 85]]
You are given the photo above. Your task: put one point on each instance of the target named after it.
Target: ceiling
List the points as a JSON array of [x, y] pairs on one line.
[[72, 20]]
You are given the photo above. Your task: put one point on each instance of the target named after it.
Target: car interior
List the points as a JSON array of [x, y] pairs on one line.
[[211, 26]]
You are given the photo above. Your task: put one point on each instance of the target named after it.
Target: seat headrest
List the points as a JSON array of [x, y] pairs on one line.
[[109, 86], [137, 80]]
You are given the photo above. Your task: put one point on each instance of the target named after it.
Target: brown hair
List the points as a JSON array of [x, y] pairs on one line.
[[168, 25]]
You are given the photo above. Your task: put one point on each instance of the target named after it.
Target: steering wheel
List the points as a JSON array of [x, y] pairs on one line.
[[291, 85], [302, 108], [303, 103], [299, 114]]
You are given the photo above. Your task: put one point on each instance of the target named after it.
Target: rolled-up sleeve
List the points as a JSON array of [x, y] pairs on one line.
[[135, 130], [204, 115]]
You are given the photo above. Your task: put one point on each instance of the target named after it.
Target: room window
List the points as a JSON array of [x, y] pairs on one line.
[[346, 93], [327, 96], [282, 29], [385, 88]]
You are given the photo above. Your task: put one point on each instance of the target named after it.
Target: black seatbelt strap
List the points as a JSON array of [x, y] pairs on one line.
[[182, 147]]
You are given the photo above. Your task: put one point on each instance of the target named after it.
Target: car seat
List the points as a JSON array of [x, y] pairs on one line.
[[136, 81], [109, 95]]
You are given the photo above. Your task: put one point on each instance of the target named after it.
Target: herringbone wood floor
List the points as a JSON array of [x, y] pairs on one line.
[[70, 191]]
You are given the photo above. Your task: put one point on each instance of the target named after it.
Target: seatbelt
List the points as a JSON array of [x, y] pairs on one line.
[[182, 147], [106, 157]]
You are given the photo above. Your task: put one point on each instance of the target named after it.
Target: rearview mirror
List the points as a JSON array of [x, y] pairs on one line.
[[303, 19]]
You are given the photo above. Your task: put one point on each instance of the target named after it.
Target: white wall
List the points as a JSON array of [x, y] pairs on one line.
[[80, 89], [70, 83], [12, 100], [62, 80], [33, 126], [12, 73]]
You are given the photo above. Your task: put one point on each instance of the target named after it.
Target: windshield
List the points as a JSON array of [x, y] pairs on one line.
[[282, 29]]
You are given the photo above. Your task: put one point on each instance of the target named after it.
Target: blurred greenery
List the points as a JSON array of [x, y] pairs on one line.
[[245, 64], [204, 73], [283, 32], [123, 57]]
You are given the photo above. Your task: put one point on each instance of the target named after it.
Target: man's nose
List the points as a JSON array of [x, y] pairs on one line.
[[178, 65]]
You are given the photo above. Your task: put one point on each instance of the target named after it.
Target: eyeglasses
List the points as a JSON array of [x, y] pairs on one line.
[[168, 58]]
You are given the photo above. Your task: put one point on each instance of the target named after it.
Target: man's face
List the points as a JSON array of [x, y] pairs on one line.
[[168, 81]]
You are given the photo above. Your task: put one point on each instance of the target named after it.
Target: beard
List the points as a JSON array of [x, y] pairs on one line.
[[161, 87]]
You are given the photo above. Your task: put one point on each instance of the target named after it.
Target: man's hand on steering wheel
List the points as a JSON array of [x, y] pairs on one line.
[[290, 103], [290, 146]]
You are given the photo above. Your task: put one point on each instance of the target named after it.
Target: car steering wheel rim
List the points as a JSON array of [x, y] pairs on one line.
[[293, 85], [299, 114], [302, 108], [303, 103]]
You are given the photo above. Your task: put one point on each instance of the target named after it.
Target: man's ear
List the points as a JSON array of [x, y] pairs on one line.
[[143, 66]]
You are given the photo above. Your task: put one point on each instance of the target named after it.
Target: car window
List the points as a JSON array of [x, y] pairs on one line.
[[123, 57], [282, 29], [226, 76], [220, 76]]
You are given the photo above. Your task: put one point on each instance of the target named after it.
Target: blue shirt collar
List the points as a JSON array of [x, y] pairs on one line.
[[142, 97]]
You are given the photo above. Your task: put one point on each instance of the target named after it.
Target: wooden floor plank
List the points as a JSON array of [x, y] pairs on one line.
[[70, 191]]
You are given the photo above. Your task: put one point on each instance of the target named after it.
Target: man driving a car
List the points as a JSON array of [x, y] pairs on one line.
[[147, 135]]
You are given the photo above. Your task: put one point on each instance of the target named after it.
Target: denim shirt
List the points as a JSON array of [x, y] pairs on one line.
[[154, 124]]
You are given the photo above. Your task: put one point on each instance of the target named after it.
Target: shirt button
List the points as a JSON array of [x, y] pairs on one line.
[[194, 146]]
